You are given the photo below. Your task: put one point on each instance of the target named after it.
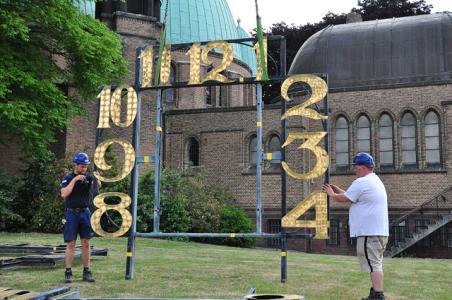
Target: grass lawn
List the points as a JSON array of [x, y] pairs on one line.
[[172, 269]]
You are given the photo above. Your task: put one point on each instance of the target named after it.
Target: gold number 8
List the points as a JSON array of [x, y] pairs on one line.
[[121, 207]]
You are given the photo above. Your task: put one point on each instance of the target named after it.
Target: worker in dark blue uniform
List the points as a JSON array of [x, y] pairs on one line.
[[75, 189]]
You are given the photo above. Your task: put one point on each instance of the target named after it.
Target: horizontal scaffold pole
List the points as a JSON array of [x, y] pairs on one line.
[[220, 235]]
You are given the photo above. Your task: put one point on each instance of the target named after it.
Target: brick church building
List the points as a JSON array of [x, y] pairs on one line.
[[390, 94]]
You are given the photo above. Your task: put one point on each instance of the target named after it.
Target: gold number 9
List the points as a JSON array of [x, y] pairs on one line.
[[99, 159], [102, 207]]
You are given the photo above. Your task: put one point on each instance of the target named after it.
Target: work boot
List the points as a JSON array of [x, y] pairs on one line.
[[371, 295], [88, 276], [68, 277]]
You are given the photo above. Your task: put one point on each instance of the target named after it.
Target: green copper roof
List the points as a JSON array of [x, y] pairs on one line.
[[86, 7], [205, 20]]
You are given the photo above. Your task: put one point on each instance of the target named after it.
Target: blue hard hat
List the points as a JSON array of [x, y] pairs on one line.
[[365, 159], [81, 158]]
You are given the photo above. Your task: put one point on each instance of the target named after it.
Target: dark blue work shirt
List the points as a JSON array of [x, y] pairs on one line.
[[79, 198]]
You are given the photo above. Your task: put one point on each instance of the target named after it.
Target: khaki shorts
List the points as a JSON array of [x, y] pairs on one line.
[[370, 251]]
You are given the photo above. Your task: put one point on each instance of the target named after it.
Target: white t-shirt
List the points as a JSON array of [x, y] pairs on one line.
[[369, 209]]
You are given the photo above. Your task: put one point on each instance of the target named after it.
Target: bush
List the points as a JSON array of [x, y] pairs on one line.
[[8, 217], [234, 219], [38, 197]]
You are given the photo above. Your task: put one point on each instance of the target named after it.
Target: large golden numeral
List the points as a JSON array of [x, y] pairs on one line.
[[321, 223], [102, 207], [132, 106], [319, 90], [258, 58], [195, 63], [165, 68], [147, 66], [104, 108], [228, 53], [312, 141], [99, 159]]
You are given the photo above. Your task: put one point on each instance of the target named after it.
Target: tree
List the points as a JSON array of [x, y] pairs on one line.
[[295, 37], [46, 47], [384, 9]]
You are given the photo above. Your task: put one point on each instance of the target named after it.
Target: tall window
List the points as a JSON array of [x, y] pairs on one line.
[[363, 135], [253, 152], [168, 94], [408, 125], [223, 97], [446, 235], [209, 95], [342, 156], [432, 140], [333, 232], [274, 226], [420, 226], [386, 151], [210, 92], [193, 152], [399, 233], [274, 145]]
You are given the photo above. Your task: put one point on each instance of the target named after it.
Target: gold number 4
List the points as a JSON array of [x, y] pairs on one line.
[[321, 223]]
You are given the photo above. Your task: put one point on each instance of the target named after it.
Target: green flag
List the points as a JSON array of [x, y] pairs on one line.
[[162, 43], [260, 39]]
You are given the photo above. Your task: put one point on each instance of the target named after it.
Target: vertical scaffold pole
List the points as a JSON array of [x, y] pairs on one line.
[[282, 57], [158, 142], [259, 149], [130, 264], [325, 128]]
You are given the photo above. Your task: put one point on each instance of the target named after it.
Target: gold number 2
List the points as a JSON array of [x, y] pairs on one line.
[[321, 223], [102, 207], [228, 53], [319, 89]]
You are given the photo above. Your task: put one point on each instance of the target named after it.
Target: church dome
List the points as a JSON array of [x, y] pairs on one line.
[[391, 52], [204, 20]]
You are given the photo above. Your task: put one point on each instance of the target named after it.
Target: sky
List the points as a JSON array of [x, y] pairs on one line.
[[300, 12]]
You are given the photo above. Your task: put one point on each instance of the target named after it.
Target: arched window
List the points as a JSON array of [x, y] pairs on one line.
[[342, 151], [193, 152], [432, 140], [386, 143], [274, 144], [252, 150], [408, 125], [168, 94], [363, 134]]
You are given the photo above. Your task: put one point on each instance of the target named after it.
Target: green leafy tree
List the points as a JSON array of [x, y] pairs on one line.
[[384, 9], [46, 47]]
